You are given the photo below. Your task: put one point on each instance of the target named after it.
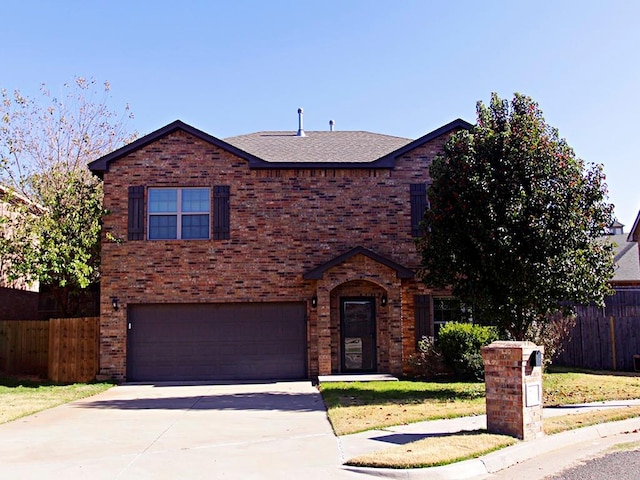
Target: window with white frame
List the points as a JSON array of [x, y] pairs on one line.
[[179, 213]]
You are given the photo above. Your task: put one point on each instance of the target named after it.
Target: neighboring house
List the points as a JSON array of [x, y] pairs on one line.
[[627, 259], [18, 298], [269, 255], [616, 228]]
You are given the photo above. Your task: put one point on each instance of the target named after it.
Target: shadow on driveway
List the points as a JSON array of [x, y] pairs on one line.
[[279, 401]]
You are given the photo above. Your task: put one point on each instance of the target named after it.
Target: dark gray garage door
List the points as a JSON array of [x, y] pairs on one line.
[[216, 341]]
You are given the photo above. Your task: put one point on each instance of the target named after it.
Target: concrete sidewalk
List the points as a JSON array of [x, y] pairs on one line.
[[375, 440]]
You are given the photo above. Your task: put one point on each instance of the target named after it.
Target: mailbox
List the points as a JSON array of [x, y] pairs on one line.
[[535, 360]]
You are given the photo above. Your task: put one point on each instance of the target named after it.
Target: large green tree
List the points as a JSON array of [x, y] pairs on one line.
[[514, 220], [53, 234]]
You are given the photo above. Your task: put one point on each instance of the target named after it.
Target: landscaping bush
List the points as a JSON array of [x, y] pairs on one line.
[[460, 344], [428, 363], [552, 333]]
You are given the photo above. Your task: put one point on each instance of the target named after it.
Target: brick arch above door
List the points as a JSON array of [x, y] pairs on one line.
[[358, 274], [318, 272]]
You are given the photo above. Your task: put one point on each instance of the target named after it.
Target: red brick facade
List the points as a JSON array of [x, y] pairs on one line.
[[513, 389], [283, 223]]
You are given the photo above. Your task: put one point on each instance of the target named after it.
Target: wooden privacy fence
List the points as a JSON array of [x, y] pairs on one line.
[[63, 350], [24, 346], [73, 349], [606, 338]]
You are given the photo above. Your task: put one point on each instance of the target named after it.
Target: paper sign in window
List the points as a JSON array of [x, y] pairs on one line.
[[353, 353]]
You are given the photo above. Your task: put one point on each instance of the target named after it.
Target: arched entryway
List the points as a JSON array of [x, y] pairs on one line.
[[359, 328], [357, 274]]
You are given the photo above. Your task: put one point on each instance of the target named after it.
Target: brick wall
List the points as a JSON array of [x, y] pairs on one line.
[[283, 223], [508, 373]]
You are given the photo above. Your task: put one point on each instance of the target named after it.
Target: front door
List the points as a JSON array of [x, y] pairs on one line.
[[358, 328]]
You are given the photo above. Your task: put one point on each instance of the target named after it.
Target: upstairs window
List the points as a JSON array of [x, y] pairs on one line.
[[179, 213]]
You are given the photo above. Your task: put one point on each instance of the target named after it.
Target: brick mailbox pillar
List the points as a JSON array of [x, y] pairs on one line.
[[513, 382]]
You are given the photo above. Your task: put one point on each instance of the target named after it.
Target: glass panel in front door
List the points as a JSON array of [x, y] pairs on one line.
[[358, 335]]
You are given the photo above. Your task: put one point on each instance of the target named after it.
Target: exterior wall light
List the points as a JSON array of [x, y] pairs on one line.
[[383, 301], [114, 304], [314, 301]]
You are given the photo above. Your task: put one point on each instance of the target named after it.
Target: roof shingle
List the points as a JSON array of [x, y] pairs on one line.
[[318, 146]]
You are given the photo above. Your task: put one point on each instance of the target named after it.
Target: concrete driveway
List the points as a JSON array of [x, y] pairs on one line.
[[270, 430]]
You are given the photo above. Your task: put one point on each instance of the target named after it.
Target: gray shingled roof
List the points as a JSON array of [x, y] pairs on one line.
[[626, 258], [318, 146]]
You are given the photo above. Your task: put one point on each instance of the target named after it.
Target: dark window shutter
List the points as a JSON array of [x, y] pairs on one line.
[[136, 213], [418, 207], [221, 212], [422, 309]]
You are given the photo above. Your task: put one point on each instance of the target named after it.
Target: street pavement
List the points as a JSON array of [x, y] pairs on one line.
[[624, 465], [585, 460]]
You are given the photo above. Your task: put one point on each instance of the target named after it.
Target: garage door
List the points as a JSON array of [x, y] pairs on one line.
[[216, 342]]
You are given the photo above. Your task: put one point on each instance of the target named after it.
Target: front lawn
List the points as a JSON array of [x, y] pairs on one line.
[[435, 451], [355, 407], [359, 406], [563, 386], [19, 398], [450, 448]]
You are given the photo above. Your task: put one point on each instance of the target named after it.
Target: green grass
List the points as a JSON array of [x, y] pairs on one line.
[[571, 422], [562, 386], [361, 393], [358, 406], [21, 397]]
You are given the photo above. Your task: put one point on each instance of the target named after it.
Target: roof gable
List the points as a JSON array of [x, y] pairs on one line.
[[101, 165], [318, 272], [457, 124], [634, 234]]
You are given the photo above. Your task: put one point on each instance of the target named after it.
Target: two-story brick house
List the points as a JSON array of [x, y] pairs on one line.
[[269, 255]]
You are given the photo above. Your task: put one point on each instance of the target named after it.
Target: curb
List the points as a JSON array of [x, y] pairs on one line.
[[506, 457]]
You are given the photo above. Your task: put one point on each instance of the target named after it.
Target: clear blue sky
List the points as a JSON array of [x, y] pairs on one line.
[[396, 67]]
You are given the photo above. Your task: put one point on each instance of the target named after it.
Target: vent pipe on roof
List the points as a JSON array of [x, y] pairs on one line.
[[300, 129], [332, 125]]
